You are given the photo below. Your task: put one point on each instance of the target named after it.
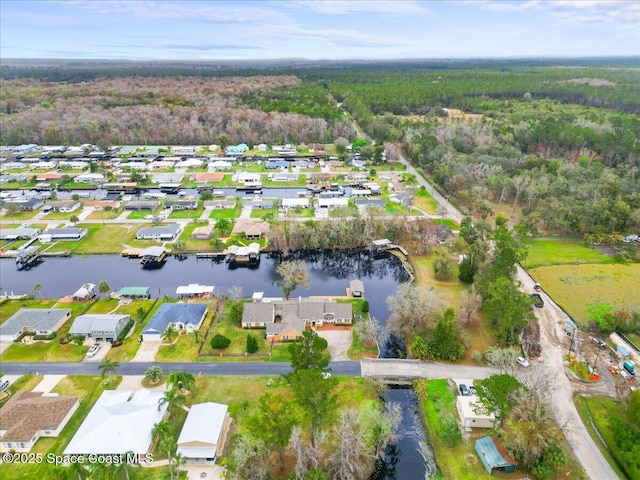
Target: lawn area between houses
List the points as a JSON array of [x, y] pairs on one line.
[[89, 389], [130, 345], [110, 238], [25, 383], [597, 413], [548, 251], [575, 287]]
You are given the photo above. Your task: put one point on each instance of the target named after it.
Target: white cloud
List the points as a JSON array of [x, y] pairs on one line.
[[336, 37], [347, 7]]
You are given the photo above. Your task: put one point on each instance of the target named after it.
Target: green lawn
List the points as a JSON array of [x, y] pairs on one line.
[[129, 348], [228, 213], [561, 251], [600, 411], [188, 213], [264, 212], [143, 214], [108, 238], [424, 201], [12, 306], [61, 215], [24, 383], [189, 244], [574, 287], [452, 224]]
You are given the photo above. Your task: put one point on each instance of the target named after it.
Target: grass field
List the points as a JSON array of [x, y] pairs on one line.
[[601, 410], [575, 287], [424, 201], [107, 238], [561, 251]]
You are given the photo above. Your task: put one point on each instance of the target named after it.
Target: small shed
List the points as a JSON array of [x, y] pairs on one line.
[[494, 455]]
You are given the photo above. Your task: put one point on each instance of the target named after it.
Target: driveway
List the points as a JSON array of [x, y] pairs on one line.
[[47, 383], [100, 354], [552, 323], [147, 352], [339, 341]]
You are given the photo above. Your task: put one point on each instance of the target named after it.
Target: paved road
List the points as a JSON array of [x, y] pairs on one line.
[[138, 368], [393, 368], [552, 321]]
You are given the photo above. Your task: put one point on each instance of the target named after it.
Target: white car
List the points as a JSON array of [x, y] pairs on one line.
[[93, 350], [523, 361]]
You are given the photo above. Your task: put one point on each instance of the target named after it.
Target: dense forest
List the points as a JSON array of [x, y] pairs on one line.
[[154, 111], [556, 142]]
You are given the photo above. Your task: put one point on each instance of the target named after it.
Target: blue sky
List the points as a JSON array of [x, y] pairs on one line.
[[317, 29]]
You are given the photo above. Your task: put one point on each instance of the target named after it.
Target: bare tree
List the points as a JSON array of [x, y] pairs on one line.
[[235, 292], [307, 456], [350, 455], [471, 302], [503, 359], [294, 273], [411, 308], [249, 456]]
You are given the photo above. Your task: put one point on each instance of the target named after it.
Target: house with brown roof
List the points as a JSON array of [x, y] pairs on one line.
[[27, 416], [208, 177], [251, 229]]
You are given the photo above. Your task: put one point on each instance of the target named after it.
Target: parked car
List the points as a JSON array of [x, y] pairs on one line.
[[464, 391], [93, 350], [538, 302], [537, 287], [4, 385], [523, 361]]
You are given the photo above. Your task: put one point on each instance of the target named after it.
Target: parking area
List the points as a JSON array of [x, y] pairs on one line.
[[339, 341], [47, 383], [147, 352], [100, 354]]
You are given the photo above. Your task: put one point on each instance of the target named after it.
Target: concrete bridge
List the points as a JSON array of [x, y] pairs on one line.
[[393, 370]]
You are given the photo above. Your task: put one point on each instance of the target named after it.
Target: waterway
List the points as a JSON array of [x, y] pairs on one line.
[[331, 272]]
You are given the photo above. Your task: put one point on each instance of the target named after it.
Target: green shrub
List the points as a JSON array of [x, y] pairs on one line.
[[252, 343], [219, 341]]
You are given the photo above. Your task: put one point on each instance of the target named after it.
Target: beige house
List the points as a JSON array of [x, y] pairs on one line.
[[204, 433], [473, 414], [27, 416]]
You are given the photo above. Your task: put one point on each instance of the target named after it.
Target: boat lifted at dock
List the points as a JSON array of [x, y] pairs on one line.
[[28, 258], [248, 256], [153, 257]]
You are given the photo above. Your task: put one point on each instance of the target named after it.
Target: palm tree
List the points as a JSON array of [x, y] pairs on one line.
[[181, 380], [38, 288], [103, 287], [125, 469], [174, 400], [140, 313], [108, 367], [170, 334], [176, 461], [153, 374], [162, 431], [74, 219]]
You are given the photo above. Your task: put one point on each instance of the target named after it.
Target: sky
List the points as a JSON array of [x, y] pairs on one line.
[[317, 29]]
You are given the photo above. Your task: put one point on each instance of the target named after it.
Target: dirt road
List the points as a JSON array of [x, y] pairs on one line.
[[552, 324]]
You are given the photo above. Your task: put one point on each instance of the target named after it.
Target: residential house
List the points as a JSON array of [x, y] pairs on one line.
[[62, 234], [139, 205], [161, 232], [189, 163], [184, 150], [183, 316], [210, 177], [204, 433], [29, 205], [287, 330], [121, 421], [473, 414], [257, 202], [250, 228], [41, 321], [85, 292], [270, 164], [358, 177], [220, 204], [100, 327], [289, 203], [25, 149], [247, 178], [167, 178], [217, 165], [27, 416], [333, 202], [49, 177], [283, 176], [236, 150], [202, 233], [89, 178], [405, 199], [18, 233], [360, 192], [313, 311], [101, 204], [65, 206], [184, 204]]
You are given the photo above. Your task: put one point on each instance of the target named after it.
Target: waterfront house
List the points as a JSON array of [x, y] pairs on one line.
[[89, 178], [204, 433], [217, 165], [18, 233], [202, 233], [120, 422], [332, 202], [139, 205], [64, 233], [185, 204], [250, 229], [40, 321], [183, 316], [161, 232], [27, 416], [100, 327], [289, 329], [289, 203], [65, 206], [315, 312]]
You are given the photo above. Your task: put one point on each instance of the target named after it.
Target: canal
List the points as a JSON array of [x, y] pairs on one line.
[[331, 272]]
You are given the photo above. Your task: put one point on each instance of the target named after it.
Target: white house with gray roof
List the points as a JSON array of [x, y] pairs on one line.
[[65, 233], [204, 432], [183, 316], [100, 327], [41, 321], [314, 312], [161, 232]]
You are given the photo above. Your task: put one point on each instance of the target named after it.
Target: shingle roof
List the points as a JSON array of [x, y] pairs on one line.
[[34, 318], [186, 313], [257, 312], [27, 412], [84, 324]]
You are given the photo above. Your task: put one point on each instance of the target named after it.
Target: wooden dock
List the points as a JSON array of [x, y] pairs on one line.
[[132, 252]]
